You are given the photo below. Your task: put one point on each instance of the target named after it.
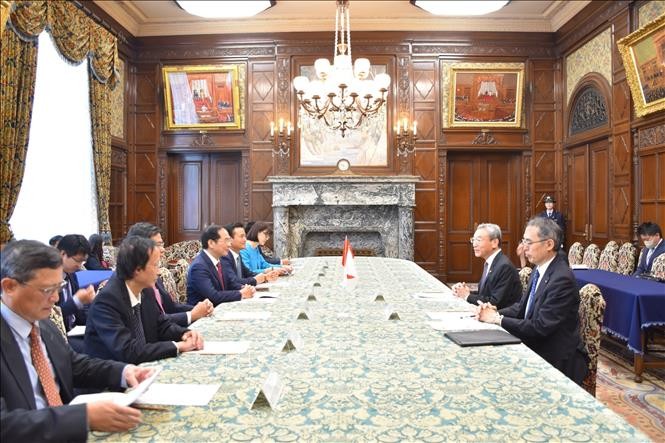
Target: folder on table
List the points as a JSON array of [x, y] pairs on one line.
[[484, 337]]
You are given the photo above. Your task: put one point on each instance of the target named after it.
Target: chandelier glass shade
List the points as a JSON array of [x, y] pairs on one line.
[[344, 95]]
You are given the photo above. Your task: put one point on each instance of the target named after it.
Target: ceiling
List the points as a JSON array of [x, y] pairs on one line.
[[156, 18]]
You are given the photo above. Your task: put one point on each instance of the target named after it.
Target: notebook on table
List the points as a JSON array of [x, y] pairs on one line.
[[483, 337]]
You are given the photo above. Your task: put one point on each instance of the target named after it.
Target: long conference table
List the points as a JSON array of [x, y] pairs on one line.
[[358, 376]]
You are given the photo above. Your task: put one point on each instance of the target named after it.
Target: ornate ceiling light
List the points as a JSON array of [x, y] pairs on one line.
[[344, 95], [224, 9]]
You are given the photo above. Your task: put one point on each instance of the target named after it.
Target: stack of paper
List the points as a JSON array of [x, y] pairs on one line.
[[119, 398], [458, 321], [179, 394]]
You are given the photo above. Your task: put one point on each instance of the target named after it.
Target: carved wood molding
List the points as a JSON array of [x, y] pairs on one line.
[[162, 165], [442, 189], [194, 53], [484, 137], [204, 140], [652, 136], [456, 49], [320, 47], [404, 85], [527, 185], [582, 29], [119, 158], [283, 85], [245, 186]]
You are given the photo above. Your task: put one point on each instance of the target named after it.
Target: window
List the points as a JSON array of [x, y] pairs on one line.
[[58, 193]]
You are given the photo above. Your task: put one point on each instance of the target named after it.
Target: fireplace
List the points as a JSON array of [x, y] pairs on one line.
[[313, 213]]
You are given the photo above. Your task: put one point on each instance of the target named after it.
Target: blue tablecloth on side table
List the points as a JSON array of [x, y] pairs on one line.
[[632, 303]]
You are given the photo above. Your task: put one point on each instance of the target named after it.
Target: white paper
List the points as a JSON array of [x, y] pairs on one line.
[[429, 296], [120, 398], [77, 331], [179, 394], [580, 266], [239, 316], [456, 321], [442, 315], [221, 348]]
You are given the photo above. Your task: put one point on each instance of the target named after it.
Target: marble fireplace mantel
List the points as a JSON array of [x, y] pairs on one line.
[[375, 211]]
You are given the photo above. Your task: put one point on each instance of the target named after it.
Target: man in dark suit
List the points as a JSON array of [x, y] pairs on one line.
[[652, 237], [546, 319], [500, 279], [206, 277], [125, 326], [233, 260], [38, 370], [74, 301], [182, 314], [556, 216]]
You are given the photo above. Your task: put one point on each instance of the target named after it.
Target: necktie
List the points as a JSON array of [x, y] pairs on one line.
[[532, 292], [238, 267], [137, 324], [483, 277], [158, 296], [649, 253], [40, 363], [220, 273]]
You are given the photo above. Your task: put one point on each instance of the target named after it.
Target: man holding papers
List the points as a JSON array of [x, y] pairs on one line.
[[500, 279], [206, 277], [38, 370], [546, 319], [122, 324]]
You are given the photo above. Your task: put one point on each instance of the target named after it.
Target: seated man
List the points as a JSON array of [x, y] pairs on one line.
[[182, 314], [74, 302], [125, 326], [652, 237], [500, 279], [206, 278], [233, 261], [38, 371], [546, 319]]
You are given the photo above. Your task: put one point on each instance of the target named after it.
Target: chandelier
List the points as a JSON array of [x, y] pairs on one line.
[[344, 95]]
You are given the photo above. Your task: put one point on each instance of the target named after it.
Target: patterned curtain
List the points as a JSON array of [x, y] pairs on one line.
[[17, 87], [76, 36]]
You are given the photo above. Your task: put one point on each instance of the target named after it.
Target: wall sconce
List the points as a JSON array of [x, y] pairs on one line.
[[406, 145], [282, 143]]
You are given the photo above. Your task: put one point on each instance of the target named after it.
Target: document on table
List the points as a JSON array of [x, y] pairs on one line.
[[179, 394], [457, 321], [442, 315], [430, 295], [76, 331], [120, 398], [222, 347], [240, 316]]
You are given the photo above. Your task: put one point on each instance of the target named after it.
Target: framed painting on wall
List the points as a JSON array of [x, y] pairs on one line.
[[643, 54], [202, 97], [485, 97]]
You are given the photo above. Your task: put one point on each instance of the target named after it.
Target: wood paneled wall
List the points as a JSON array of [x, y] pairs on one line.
[[415, 94]]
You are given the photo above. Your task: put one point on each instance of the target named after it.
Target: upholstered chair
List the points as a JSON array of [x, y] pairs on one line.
[[525, 274], [179, 272], [626, 259], [591, 256], [576, 253], [110, 254], [58, 321], [592, 308], [609, 258], [658, 267], [182, 250], [169, 283]]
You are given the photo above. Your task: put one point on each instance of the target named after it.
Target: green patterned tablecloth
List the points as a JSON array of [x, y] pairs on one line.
[[361, 377]]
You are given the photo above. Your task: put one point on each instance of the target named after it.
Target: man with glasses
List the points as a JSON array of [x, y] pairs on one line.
[[38, 370], [652, 237], [499, 279], [546, 319], [180, 313], [74, 302], [206, 278]]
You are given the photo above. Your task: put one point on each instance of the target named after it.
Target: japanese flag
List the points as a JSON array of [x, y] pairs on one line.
[[348, 263]]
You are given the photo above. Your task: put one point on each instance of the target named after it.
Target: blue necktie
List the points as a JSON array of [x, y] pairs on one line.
[[532, 292]]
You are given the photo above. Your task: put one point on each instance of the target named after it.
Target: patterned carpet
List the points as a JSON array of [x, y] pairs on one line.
[[641, 404]]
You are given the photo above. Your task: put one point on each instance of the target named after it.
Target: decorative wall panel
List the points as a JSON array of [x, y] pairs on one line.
[[650, 11], [593, 56]]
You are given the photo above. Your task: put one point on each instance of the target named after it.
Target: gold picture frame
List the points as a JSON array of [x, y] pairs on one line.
[[202, 97], [643, 54], [485, 97]]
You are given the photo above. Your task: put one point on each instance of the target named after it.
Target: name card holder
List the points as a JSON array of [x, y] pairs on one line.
[[380, 298], [304, 315], [311, 297], [390, 313], [293, 342], [269, 394]]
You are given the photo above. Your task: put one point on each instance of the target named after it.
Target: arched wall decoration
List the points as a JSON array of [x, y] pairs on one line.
[[590, 106]]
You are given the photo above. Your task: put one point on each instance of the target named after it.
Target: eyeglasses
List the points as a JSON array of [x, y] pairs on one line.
[[475, 240], [47, 292], [528, 242], [79, 260]]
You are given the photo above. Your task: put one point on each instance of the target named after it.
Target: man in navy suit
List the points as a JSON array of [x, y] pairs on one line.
[[652, 237], [206, 277], [500, 279], [74, 301], [546, 319], [233, 260], [34, 398], [125, 326], [180, 313], [556, 216]]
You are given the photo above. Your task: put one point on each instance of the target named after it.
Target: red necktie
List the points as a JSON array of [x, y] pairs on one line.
[[158, 296], [43, 370], [221, 275]]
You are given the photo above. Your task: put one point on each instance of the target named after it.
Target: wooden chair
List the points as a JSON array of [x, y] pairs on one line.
[[626, 259], [591, 256], [592, 308], [576, 253], [609, 258]]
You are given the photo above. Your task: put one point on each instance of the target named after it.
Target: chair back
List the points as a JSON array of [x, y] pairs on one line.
[[576, 253], [187, 250], [525, 274], [609, 258], [591, 256], [56, 317], [169, 283], [179, 271], [110, 255], [626, 259], [592, 308], [658, 267]]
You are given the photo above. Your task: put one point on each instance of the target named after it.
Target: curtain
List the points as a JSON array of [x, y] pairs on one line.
[[76, 36]]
